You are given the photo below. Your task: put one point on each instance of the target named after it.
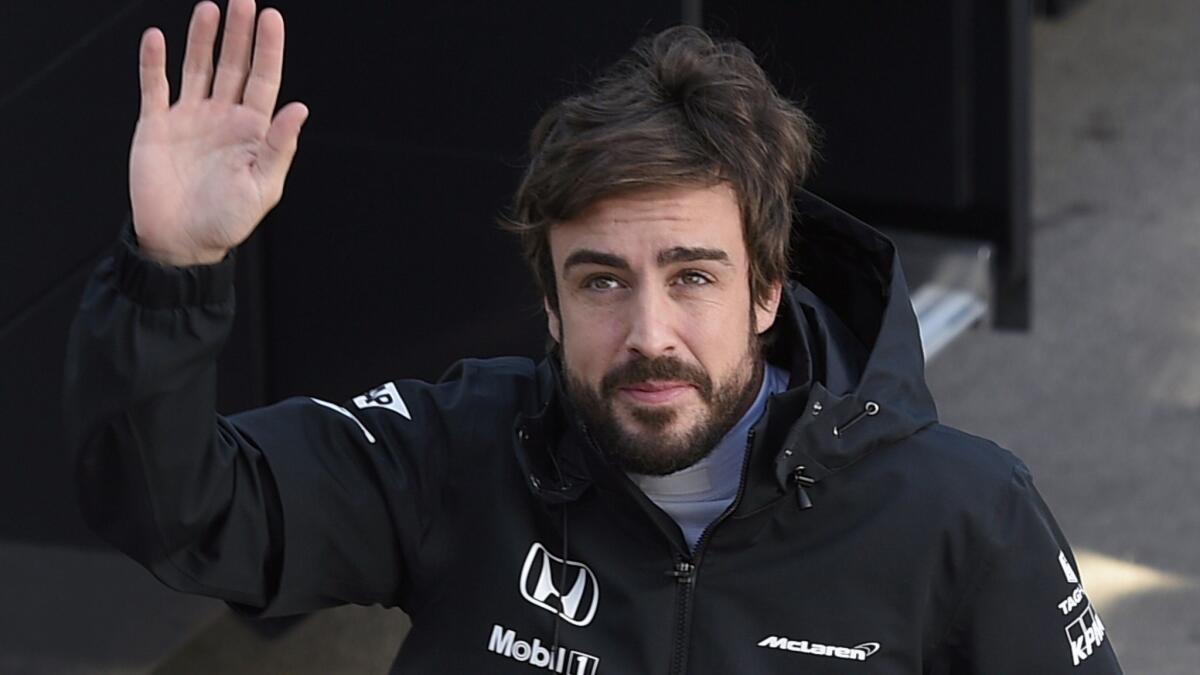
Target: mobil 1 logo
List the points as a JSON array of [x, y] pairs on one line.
[[506, 643]]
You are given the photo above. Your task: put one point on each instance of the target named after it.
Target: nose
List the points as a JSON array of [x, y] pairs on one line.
[[651, 324]]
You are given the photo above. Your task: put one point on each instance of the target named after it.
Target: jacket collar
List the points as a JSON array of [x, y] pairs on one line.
[[550, 442]]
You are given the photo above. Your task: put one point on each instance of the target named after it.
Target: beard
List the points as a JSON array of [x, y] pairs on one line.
[[654, 450]]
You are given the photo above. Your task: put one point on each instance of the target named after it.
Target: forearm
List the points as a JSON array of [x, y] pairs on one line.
[[158, 470]]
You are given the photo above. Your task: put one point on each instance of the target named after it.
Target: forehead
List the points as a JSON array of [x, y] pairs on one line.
[[641, 224]]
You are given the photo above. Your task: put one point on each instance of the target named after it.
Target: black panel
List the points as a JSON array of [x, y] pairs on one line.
[[884, 81], [37, 498], [924, 109]]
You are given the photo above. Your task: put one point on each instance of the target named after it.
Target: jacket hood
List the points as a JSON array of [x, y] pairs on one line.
[[849, 333], [846, 331]]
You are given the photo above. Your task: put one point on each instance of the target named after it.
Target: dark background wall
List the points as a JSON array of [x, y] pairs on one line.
[[384, 260]]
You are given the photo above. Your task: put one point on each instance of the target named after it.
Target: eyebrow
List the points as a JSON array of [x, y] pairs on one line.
[[678, 254], [675, 254], [585, 256]]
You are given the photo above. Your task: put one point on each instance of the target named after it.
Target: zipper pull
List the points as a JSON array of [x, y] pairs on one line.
[[871, 409], [682, 572], [802, 498]]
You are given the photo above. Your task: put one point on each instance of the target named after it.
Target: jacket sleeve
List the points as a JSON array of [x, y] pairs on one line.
[[284, 509], [1027, 611]]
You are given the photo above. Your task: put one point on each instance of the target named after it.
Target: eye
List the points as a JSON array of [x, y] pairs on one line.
[[694, 278], [601, 283]]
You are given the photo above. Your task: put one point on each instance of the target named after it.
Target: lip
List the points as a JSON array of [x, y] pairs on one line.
[[656, 393]]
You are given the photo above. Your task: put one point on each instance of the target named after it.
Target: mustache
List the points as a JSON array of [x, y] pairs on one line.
[[660, 368]]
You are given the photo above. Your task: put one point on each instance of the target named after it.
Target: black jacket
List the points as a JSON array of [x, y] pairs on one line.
[[866, 537]]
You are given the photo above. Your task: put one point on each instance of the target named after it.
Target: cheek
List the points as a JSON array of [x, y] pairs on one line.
[[592, 339], [720, 339]]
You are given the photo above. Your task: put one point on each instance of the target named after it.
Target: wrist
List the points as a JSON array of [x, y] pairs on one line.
[[180, 257], [170, 282]]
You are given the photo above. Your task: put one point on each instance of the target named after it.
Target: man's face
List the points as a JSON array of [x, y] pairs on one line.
[[656, 324]]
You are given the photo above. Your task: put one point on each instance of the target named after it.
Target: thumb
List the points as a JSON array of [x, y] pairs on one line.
[[282, 138]]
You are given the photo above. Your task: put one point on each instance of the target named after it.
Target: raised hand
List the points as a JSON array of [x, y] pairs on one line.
[[204, 171]]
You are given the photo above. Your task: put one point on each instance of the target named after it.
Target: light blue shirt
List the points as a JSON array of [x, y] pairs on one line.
[[696, 496]]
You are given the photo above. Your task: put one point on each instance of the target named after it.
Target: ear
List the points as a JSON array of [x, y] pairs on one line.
[[765, 311], [552, 322]]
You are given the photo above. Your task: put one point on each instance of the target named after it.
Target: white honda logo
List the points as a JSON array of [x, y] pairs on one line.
[[538, 577]]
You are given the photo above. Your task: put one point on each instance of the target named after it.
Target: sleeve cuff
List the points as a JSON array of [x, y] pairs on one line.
[[154, 284]]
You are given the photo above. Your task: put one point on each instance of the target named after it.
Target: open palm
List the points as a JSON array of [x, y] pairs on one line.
[[204, 171]]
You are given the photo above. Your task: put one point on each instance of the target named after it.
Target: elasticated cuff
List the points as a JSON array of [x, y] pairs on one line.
[[156, 285]]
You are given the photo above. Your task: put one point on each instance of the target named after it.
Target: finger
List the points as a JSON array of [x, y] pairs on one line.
[[152, 73], [235, 51], [262, 86], [282, 139], [198, 59]]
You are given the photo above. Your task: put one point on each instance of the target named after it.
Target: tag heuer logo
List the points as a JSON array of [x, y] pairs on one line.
[[575, 602]]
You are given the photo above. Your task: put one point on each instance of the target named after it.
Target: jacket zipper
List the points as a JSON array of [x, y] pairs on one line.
[[686, 566]]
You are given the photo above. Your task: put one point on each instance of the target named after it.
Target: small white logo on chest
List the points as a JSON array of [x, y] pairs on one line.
[[576, 602], [857, 653], [384, 396]]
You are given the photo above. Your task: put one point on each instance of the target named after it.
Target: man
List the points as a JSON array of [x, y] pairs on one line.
[[726, 464]]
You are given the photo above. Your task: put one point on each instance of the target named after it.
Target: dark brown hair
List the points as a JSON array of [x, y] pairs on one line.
[[681, 109]]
